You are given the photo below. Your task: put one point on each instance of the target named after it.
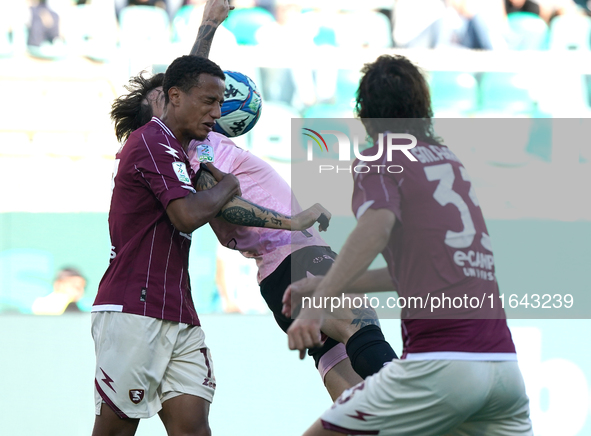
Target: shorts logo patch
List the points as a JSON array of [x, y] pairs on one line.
[[181, 172], [361, 415], [136, 395], [108, 380], [321, 258], [347, 395], [209, 382]]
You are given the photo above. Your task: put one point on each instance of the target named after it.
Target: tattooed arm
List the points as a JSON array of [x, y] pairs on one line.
[[244, 213], [364, 316], [215, 12]]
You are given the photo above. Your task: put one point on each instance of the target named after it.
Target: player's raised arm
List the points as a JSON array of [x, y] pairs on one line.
[[215, 12], [245, 213]]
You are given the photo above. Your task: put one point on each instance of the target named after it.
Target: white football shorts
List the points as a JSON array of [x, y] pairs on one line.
[[142, 362], [435, 397]]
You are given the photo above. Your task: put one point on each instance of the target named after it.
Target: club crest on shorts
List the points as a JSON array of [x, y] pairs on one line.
[[181, 172], [136, 395], [209, 382]]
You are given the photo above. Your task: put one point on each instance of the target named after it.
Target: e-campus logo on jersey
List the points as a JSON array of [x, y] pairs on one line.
[[390, 141]]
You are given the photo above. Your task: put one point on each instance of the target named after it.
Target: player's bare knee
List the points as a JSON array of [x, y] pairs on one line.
[[349, 322], [338, 329]]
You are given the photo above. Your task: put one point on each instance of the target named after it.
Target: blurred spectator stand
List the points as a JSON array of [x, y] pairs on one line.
[[144, 36], [44, 38], [530, 32], [244, 23]]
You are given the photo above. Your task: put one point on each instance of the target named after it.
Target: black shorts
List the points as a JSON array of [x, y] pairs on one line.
[[315, 260]]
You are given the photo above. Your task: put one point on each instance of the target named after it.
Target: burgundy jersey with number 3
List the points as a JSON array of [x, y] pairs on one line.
[[439, 248], [148, 271]]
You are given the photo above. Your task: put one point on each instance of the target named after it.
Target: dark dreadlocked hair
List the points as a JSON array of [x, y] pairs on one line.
[[131, 111], [394, 96], [184, 73]]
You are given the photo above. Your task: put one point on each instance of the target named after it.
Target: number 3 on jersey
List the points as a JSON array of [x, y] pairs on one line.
[[444, 194]]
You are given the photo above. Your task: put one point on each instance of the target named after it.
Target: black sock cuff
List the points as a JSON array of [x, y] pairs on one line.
[[363, 337], [368, 350], [317, 353]]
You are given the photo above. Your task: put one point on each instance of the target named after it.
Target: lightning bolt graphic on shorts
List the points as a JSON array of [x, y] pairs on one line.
[[361, 415], [108, 380], [170, 150]]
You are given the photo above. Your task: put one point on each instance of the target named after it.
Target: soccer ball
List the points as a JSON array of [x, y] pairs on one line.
[[242, 105]]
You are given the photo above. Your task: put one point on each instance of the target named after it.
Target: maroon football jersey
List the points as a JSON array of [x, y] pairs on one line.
[[148, 271], [439, 247]]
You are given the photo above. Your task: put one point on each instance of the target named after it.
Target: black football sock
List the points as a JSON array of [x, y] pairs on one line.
[[368, 350]]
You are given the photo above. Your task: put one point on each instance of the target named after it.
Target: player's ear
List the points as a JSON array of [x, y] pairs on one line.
[[174, 95]]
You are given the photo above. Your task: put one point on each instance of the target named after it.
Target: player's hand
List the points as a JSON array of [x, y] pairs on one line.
[[216, 11], [295, 292], [219, 176], [305, 333], [306, 219]]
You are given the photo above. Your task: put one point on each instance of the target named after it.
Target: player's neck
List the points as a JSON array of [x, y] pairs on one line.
[[172, 124]]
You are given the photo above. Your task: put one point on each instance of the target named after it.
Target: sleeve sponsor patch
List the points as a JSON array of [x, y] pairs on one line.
[[205, 153], [181, 172]]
